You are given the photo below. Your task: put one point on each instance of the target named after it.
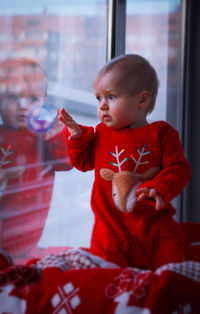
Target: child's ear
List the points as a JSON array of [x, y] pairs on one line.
[[144, 99]]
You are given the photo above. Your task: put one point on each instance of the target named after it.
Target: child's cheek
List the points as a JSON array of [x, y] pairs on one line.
[[8, 114]]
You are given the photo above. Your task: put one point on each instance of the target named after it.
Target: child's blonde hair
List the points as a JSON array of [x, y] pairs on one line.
[[137, 74], [28, 69]]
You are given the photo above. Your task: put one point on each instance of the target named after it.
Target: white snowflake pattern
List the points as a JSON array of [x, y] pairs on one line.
[[66, 299], [130, 281], [10, 303], [123, 307]]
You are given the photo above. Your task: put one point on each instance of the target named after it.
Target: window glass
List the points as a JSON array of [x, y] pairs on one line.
[[44, 204], [153, 29]]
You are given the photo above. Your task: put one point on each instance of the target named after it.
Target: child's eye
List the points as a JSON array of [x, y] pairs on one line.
[[99, 98], [33, 99], [13, 97], [111, 96]]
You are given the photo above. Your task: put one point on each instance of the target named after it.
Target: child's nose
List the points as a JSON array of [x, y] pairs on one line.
[[23, 103], [103, 104]]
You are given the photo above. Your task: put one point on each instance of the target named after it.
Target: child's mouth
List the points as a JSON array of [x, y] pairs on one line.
[[106, 118], [21, 117]]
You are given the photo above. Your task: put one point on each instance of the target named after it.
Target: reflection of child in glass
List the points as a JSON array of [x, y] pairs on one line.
[[27, 160], [139, 168]]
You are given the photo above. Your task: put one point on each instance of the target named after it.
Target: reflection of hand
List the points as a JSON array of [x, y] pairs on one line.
[[73, 128], [6, 174], [56, 128], [151, 193]]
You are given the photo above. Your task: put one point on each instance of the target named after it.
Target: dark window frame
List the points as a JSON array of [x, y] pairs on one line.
[[191, 118]]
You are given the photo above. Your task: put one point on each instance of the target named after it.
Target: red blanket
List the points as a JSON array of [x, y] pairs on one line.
[[77, 282]]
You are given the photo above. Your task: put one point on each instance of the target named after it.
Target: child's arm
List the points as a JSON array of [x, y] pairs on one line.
[[174, 174], [80, 142]]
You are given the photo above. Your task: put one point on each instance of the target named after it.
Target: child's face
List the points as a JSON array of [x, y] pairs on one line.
[[18, 99], [117, 108]]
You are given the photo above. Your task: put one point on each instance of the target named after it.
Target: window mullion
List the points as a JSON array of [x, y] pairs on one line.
[[116, 28]]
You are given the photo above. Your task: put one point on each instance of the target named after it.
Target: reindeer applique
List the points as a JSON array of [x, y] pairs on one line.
[[125, 183], [8, 173]]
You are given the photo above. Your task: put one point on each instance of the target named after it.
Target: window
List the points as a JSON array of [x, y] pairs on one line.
[[45, 203], [153, 29]]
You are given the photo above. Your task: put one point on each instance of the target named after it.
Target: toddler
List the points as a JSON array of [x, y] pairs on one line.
[[139, 168], [28, 160]]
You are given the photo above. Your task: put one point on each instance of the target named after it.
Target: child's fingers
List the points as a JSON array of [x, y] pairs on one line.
[[148, 192], [142, 193], [158, 199], [141, 196], [152, 193], [66, 115], [159, 202], [143, 190], [63, 113], [75, 131], [66, 118]]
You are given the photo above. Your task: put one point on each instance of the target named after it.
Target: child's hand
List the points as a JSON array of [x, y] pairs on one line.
[[56, 127], [152, 193], [73, 128]]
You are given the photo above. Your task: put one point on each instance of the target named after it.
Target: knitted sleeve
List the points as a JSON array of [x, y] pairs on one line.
[[81, 151], [175, 170]]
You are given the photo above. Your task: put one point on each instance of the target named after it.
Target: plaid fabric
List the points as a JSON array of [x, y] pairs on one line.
[[189, 269], [95, 286], [73, 259]]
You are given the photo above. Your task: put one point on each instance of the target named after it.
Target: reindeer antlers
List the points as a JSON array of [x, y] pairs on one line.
[[116, 155], [138, 162], [6, 153], [141, 154]]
